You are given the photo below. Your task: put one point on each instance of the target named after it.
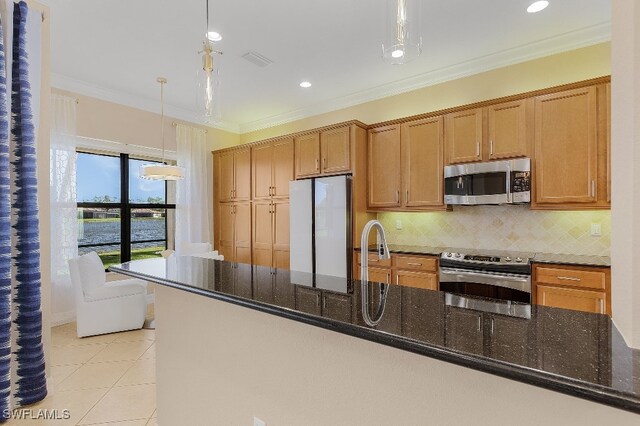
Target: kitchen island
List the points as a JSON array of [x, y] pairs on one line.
[[236, 341]]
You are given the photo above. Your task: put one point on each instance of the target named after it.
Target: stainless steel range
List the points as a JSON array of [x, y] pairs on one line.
[[505, 276]]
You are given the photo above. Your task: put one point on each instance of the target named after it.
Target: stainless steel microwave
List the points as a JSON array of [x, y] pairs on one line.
[[493, 182]]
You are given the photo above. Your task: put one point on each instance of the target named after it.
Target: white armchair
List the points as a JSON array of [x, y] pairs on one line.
[[103, 307]]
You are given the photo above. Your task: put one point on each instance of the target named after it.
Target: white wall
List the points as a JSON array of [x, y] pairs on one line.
[[625, 166]]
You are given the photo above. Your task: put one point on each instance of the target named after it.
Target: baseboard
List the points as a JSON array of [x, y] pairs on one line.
[[61, 318]]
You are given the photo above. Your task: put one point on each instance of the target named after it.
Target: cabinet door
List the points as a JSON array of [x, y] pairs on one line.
[[568, 298], [423, 162], [507, 130], [226, 231], [225, 176], [510, 339], [464, 136], [242, 243], [262, 170], [335, 150], [307, 155], [308, 300], [424, 280], [384, 167], [262, 233], [336, 306], [281, 234], [464, 330], [242, 174], [283, 167], [566, 147]]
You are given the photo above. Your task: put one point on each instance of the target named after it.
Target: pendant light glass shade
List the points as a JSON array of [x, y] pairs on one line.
[[161, 171], [208, 86], [403, 41]]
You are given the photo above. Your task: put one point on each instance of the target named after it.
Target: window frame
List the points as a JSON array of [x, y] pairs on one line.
[[126, 207]]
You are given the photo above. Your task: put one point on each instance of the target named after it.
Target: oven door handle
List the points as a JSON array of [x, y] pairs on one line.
[[512, 281]]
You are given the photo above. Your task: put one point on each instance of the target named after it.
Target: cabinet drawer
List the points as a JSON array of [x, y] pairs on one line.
[[416, 263], [594, 279], [569, 298], [424, 280], [374, 260]]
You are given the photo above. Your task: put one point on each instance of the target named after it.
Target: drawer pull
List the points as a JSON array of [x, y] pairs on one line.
[[569, 278], [414, 263]]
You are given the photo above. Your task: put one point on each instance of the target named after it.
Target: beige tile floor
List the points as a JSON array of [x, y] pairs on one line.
[[101, 380]]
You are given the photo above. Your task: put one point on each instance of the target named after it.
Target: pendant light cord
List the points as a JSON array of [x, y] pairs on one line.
[[206, 33], [162, 81]]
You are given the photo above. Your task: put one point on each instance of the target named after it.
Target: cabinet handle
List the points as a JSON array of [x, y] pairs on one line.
[[398, 196], [317, 165], [234, 209], [479, 322], [414, 264], [388, 277], [406, 200], [593, 188], [318, 300], [569, 279], [477, 149], [397, 279], [602, 306], [492, 325], [324, 162], [491, 147], [324, 303]]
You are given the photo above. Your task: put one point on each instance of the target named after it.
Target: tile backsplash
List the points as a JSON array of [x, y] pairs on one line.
[[513, 228]]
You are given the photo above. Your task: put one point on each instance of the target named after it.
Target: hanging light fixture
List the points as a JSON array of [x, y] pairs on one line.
[[402, 42], [161, 171], [208, 89]]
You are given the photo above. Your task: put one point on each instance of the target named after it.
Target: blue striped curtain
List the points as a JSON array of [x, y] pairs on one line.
[[22, 369]]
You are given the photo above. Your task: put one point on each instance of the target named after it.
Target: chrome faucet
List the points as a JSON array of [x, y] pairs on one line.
[[383, 253]]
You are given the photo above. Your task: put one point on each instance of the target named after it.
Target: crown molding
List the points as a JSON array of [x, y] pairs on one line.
[[84, 88], [550, 46]]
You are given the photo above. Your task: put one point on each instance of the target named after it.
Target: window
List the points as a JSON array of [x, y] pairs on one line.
[[121, 216]]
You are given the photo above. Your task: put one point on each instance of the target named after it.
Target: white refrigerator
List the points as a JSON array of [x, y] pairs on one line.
[[320, 232]]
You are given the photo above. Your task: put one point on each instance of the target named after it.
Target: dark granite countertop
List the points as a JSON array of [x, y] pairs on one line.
[[576, 353], [555, 258]]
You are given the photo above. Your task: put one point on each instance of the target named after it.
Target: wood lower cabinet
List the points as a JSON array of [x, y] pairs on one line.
[[568, 148], [578, 288], [271, 233], [464, 330], [234, 232], [403, 270], [425, 280], [233, 174]]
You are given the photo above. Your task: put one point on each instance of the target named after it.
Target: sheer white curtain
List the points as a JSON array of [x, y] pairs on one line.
[[192, 195], [64, 208]]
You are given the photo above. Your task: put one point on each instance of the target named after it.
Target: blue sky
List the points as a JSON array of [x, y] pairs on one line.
[[99, 175]]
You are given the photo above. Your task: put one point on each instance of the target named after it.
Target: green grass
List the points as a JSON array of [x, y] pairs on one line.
[[113, 257]]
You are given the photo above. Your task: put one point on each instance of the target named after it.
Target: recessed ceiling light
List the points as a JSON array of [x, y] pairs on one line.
[[537, 6], [214, 36], [399, 53], [305, 84]]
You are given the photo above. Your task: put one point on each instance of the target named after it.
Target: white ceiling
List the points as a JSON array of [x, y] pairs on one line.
[[114, 49]]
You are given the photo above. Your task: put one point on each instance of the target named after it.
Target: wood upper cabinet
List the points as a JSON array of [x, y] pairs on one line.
[[335, 150], [272, 169], [566, 147], [307, 155], [578, 288], [323, 153], [271, 233], [234, 240], [464, 136], [384, 167], [234, 175], [422, 149], [507, 130]]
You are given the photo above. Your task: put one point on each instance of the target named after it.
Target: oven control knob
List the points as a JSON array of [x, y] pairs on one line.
[[448, 254], [518, 259], [507, 259], [458, 255]]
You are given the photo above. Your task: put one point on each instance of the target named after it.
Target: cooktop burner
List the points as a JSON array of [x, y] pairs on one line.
[[509, 262]]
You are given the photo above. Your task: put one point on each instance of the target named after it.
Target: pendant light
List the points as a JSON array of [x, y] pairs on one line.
[[161, 171], [403, 41], [208, 88]]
